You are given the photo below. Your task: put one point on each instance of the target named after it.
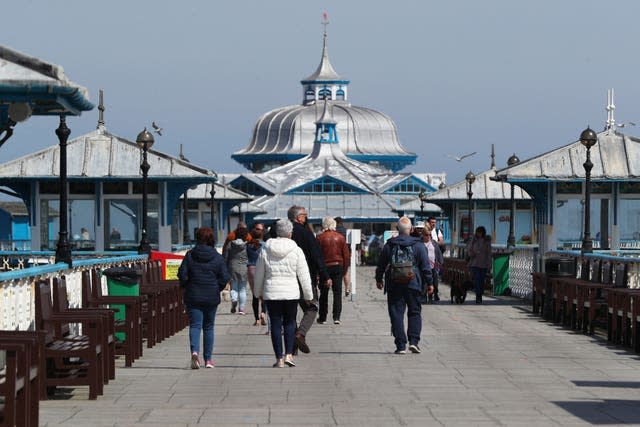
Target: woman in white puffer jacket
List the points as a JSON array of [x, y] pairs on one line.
[[280, 267]]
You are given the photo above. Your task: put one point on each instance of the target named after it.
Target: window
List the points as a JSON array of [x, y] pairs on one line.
[[409, 185], [629, 219], [119, 187], [123, 223], [49, 187], [326, 185], [569, 188]]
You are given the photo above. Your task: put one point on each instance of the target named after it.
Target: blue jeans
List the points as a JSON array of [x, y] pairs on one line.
[[400, 298], [478, 276], [201, 318], [282, 314], [239, 290]]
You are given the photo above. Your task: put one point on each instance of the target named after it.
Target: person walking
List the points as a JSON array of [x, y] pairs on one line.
[[306, 240], [254, 246], [281, 274], [237, 260], [336, 258], [479, 253], [404, 267], [436, 260], [203, 275]]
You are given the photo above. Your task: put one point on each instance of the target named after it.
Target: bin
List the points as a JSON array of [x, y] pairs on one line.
[[122, 282], [555, 267], [500, 273]]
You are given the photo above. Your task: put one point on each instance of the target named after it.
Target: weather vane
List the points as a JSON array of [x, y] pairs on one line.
[[325, 21]]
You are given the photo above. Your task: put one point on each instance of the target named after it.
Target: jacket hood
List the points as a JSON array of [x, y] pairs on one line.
[[279, 248], [404, 240], [203, 253]]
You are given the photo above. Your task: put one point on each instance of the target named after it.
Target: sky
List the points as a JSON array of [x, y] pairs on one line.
[[456, 75]]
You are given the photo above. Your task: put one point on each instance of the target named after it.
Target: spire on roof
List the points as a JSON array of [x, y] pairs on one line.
[[101, 111], [493, 157], [325, 71], [611, 107]]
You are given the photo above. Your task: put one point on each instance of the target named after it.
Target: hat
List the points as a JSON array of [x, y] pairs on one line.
[[419, 224]]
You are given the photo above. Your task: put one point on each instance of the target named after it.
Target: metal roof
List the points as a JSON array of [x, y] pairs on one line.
[[615, 157], [483, 189], [100, 154], [364, 133], [223, 192], [43, 85], [14, 208]]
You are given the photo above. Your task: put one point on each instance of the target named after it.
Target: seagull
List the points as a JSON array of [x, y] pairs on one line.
[[157, 129], [460, 158], [621, 125]]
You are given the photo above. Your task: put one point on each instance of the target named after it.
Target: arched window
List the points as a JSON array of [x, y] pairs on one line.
[[340, 95], [325, 93], [309, 94]]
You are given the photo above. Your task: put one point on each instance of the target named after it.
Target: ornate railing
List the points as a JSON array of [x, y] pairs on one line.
[[17, 287], [18, 260]]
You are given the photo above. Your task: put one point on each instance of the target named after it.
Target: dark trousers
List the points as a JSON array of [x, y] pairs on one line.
[[399, 299], [309, 311], [282, 314], [335, 274], [478, 276]]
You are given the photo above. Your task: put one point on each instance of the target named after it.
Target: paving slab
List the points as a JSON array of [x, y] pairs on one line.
[[481, 365]]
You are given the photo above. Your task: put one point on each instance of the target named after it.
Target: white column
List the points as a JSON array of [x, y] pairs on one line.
[[164, 238], [353, 238]]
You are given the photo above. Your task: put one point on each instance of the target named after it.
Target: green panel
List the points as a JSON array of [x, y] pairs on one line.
[[500, 274]]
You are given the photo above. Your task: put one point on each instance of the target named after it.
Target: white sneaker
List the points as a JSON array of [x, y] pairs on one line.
[[195, 363], [413, 348], [336, 322]]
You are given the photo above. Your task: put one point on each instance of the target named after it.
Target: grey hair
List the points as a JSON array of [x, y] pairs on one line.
[[284, 227], [404, 225], [293, 212], [328, 223]]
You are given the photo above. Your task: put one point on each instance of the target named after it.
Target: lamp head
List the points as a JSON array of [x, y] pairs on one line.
[[19, 111], [145, 139], [422, 196], [470, 178], [442, 186], [588, 138], [513, 160]]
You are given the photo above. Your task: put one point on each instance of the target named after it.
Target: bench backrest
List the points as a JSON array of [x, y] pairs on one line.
[[596, 265], [607, 275], [44, 309], [620, 279]]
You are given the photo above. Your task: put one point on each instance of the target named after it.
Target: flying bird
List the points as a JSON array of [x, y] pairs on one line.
[[622, 125], [460, 158], [157, 129]]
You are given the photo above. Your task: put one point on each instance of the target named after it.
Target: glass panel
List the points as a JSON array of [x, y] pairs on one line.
[[115, 187], [484, 218], [569, 188], [600, 188], [49, 223], [522, 229], [152, 188], [123, 223], [502, 226], [81, 219], [629, 187], [50, 187], [568, 222], [629, 219], [82, 188]]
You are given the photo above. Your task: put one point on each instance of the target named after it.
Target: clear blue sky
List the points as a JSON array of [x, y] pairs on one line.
[[456, 76]]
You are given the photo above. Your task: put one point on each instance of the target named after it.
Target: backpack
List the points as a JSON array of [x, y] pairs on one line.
[[402, 259]]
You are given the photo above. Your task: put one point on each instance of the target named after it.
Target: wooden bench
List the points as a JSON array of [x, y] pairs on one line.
[[129, 342], [20, 378], [73, 360]]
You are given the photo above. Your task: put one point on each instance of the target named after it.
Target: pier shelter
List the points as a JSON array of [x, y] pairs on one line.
[[555, 180], [105, 192]]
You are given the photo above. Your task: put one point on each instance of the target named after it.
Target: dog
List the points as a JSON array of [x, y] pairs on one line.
[[459, 291]]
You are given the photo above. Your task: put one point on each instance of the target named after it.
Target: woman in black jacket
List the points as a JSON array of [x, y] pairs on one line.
[[203, 274]]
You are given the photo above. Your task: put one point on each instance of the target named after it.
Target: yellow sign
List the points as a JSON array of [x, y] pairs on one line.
[[171, 269]]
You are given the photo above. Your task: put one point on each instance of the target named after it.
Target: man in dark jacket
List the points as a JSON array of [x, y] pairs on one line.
[[203, 274], [306, 240], [405, 295]]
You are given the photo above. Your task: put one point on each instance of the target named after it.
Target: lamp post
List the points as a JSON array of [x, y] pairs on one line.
[[423, 198], [213, 208], [470, 178], [145, 142], [511, 240], [588, 138], [63, 250]]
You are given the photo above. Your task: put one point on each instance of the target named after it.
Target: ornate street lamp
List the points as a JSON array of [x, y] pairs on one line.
[[423, 198], [511, 240], [470, 178], [213, 208], [145, 142], [588, 138], [63, 250]]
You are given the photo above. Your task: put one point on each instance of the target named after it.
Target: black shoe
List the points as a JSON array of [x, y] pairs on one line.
[[436, 297], [302, 343]]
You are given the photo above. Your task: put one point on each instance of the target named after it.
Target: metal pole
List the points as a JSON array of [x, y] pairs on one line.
[[144, 247], [185, 218], [587, 243], [63, 250], [511, 240], [470, 227], [213, 207]]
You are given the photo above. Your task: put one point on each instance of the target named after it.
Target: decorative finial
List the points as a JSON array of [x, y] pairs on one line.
[[101, 111], [493, 157], [325, 22], [611, 121]]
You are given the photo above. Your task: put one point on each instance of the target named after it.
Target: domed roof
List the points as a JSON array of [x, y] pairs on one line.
[[288, 133]]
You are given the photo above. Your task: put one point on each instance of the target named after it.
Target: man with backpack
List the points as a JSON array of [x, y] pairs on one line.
[[404, 266]]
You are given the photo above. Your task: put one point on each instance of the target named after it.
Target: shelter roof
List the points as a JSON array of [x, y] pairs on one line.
[[101, 155], [223, 192], [615, 157], [14, 208], [483, 189]]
